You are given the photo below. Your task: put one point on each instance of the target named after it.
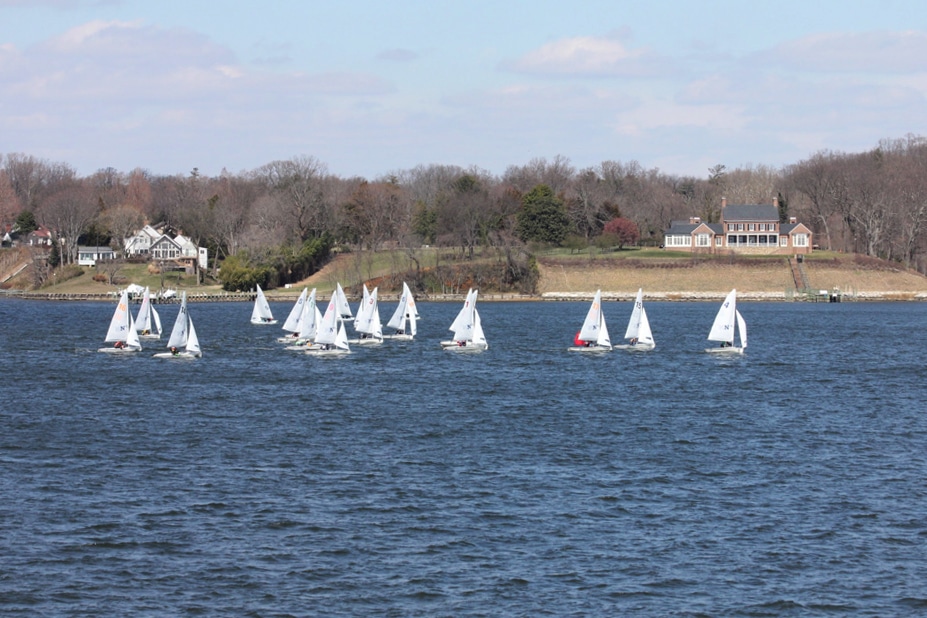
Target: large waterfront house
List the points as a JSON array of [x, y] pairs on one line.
[[744, 228]]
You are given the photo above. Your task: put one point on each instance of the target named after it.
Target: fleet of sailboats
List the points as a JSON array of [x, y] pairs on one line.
[[325, 335]]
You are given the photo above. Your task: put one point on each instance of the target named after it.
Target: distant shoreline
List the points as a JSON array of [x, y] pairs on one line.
[[680, 296]]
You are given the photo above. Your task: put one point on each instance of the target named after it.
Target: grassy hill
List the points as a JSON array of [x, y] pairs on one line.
[[619, 274]]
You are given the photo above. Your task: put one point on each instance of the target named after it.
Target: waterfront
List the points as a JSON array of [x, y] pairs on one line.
[[526, 480]]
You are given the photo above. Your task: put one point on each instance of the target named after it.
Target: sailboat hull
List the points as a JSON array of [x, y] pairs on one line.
[[465, 346], [731, 350], [261, 322], [126, 350], [327, 353], [589, 348], [399, 337], [638, 347], [184, 355]]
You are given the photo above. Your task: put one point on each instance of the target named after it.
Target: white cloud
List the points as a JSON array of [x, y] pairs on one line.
[[876, 52], [588, 56]]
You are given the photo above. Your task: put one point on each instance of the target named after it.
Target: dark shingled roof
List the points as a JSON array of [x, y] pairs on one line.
[[750, 212]]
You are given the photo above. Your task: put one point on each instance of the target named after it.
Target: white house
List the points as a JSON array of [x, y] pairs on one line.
[[88, 256], [140, 243]]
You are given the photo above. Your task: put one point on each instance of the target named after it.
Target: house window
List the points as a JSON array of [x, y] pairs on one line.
[[751, 227], [801, 240], [730, 227], [731, 240], [703, 240], [772, 227], [784, 241], [740, 227], [718, 241]]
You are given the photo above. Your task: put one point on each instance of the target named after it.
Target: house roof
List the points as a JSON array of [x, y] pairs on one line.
[[684, 228], [788, 228], [750, 212]]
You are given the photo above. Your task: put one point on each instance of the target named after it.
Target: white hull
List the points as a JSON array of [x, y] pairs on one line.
[[399, 337], [367, 341], [589, 348], [184, 354], [261, 322], [638, 347], [329, 352], [728, 350], [149, 337], [119, 350], [469, 346]]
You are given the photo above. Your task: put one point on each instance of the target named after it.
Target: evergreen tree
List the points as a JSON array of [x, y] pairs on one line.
[[543, 217]]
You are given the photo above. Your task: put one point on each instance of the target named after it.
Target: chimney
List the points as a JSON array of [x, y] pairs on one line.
[[695, 220], [723, 202], [793, 219], [776, 202]]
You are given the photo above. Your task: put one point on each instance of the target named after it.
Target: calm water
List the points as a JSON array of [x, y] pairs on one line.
[[523, 481]]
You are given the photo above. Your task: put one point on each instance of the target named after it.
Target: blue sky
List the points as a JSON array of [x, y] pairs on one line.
[[369, 88]]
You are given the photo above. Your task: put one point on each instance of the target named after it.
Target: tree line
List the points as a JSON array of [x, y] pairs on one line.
[[284, 217]]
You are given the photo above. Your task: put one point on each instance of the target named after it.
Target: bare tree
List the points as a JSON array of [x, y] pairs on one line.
[[68, 213], [296, 185]]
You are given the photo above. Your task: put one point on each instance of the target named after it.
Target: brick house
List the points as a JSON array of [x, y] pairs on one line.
[[744, 228]]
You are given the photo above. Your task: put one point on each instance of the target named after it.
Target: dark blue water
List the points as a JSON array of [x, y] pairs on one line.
[[523, 481]]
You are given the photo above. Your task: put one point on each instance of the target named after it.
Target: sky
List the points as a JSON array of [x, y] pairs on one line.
[[371, 88]]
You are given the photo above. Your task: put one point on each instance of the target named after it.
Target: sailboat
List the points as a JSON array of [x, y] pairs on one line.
[[467, 328], [593, 336], [261, 313], [331, 338], [723, 328], [148, 322], [293, 321], [638, 332], [367, 323], [122, 331], [308, 325], [341, 304], [405, 312], [183, 342]]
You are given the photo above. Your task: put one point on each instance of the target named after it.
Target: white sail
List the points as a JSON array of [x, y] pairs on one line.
[[119, 324], [147, 322], [742, 327], [462, 327], [405, 311], [723, 327], [328, 327], [261, 314], [634, 323], [341, 303], [593, 335], [644, 336], [341, 339], [193, 342], [292, 322], [179, 334], [367, 321], [132, 341], [309, 323], [478, 337]]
